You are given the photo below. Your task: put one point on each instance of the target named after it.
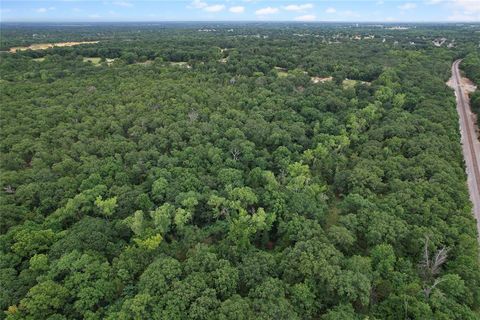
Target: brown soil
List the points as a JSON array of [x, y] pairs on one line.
[[465, 83]]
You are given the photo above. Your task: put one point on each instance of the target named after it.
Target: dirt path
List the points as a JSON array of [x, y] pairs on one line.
[[470, 143]]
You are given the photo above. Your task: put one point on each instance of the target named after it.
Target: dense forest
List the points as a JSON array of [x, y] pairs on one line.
[[235, 171]]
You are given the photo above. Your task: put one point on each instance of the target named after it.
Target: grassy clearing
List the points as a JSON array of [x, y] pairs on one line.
[[349, 83], [94, 60], [38, 59], [281, 72], [181, 64]]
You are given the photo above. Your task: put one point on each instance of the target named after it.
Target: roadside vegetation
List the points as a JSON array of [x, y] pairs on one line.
[[471, 66]]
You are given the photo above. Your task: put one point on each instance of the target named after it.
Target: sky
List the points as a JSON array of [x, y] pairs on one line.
[[240, 10]]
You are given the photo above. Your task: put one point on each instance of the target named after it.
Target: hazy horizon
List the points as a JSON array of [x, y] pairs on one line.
[[377, 11]]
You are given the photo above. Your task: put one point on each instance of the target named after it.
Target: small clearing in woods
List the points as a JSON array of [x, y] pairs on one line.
[[349, 83], [181, 64], [38, 59], [42, 46], [281, 72], [93, 60], [320, 80]]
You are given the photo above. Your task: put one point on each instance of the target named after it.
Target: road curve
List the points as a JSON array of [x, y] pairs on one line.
[[470, 143]]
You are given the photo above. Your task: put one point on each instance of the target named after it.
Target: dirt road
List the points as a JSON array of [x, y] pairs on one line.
[[470, 143]]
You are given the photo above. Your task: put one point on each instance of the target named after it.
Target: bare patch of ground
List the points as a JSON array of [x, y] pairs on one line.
[[43, 46], [465, 83], [109, 61], [38, 59], [320, 80], [181, 64]]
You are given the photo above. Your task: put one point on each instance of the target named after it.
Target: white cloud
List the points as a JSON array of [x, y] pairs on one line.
[[407, 6], [77, 10], [265, 11], [331, 10], [198, 4], [214, 8], [298, 7], [469, 6], [94, 16], [307, 17], [380, 3], [463, 10], [123, 4], [43, 10], [237, 9], [457, 16]]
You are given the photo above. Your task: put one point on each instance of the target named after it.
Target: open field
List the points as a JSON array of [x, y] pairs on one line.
[[43, 46], [320, 80], [349, 83], [93, 60]]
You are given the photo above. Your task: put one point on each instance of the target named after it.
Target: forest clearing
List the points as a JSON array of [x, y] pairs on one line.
[[43, 46]]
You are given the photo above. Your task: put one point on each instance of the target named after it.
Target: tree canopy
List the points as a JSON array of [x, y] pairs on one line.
[[224, 174]]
